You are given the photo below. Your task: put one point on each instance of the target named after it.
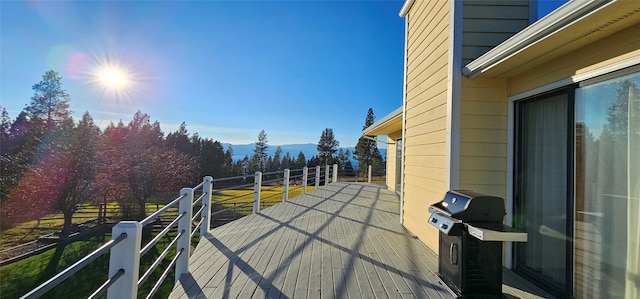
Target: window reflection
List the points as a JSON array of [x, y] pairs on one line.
[[607, 157]]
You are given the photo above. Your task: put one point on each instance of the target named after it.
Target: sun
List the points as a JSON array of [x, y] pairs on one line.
[[113, 78], [117, 78]]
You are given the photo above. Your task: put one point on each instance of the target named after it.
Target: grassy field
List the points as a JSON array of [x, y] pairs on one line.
[[18, 278], [52, 223], [31, 230]]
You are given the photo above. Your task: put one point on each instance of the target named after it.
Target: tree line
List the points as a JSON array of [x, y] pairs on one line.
[[50, 162]]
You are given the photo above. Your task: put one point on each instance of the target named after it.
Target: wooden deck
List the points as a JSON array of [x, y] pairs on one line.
[[339, 241]]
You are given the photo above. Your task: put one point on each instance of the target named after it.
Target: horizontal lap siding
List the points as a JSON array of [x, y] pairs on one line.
[[426, 115], [391, 164], [483, 136], [488, 23], [617, 47]]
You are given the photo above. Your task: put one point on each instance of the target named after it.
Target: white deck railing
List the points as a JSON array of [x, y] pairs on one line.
[[126, 247]]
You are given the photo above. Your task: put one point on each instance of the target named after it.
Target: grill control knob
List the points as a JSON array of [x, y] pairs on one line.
[[444, 226]]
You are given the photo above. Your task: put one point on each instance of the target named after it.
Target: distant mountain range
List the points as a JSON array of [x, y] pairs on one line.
[[308, 149]]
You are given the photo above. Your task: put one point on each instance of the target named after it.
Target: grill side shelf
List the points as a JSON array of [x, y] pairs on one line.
[[495, 232]]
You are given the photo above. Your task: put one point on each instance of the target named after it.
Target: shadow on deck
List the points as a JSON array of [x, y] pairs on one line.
[[338, 241]]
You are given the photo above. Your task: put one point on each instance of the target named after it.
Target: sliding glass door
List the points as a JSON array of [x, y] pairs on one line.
[[607, 154], [577, 188], [542, 189]]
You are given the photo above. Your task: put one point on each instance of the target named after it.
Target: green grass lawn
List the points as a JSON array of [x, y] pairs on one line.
[[18, 278], [52, 223], [241, 200]]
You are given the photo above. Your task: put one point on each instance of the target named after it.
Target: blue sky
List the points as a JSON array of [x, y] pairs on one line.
[[226, 68]]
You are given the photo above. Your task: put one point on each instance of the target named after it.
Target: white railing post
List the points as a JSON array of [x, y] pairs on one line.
[[285, 192], [335, 173], [317, 176], [207, 189], [305, 177], [326, 174], [257, 185], [184, 227], [369, 174], [125, 255]]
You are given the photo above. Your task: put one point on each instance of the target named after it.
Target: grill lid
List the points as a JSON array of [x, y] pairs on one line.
[[470, 206]]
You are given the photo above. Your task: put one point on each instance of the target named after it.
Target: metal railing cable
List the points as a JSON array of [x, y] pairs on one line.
[[155, 240], [272, 180], [235, 187], [103, 288], [157, 214], [161, 257], [236, 197], [196, 228], [66, 273], [164, 274], [195, 202], [198, 214]]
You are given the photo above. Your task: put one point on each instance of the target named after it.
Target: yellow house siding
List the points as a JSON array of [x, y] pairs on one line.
[[483, 136], [425, 19], [391, 164], [426, 115], [617, 47], [392, 155]]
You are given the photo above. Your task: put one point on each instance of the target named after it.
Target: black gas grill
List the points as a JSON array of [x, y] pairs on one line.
[[471, 236]]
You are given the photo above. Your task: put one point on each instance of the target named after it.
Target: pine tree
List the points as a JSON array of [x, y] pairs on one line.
[[5, 125], [366, 151], [301, 161], [327, 146], [259, 158], [276, 163], [287, 161], [228, 165], [50, 103]]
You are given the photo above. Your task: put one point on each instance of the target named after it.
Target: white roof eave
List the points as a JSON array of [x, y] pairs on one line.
[[567, 14], [405, 8], [382, 121]]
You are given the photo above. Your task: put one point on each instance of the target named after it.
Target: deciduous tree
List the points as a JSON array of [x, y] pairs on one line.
[[78, 164]]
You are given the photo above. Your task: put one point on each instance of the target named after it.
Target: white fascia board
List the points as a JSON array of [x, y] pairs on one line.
[[567, 14], [404, 116], [406, 7], [385, 119]]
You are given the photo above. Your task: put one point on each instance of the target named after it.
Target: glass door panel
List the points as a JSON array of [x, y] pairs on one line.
[[607, 181], [541, 189], [398, 165]]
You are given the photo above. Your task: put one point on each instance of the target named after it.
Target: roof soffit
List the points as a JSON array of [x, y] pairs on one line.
[[389, 124]]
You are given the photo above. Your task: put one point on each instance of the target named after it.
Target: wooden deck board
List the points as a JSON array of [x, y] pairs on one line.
[[338, 241]]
